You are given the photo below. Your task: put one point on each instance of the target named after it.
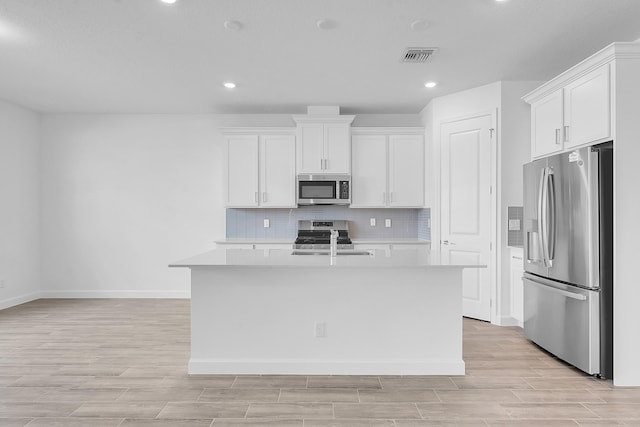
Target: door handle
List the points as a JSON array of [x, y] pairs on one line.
[[321, 164], [264, 196], [326, 164], [255, 197], [558, 136], [446, 242], [551, 222], [566, 134], [562, 292], [541, 241]]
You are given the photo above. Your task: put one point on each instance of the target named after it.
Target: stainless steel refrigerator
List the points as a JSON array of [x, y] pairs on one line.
[[568, 248]]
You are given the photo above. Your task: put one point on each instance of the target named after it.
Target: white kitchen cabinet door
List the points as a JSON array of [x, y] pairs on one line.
[[587, 109], [517, 295], [242, 171], [277, 171], [337, 149], [406, 171], [310, 148], [546, 125], [369, 171]]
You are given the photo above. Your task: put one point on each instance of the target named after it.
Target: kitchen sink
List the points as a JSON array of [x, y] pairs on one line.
[[326, 252]]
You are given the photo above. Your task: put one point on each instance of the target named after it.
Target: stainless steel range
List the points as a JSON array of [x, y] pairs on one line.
[[316, 234]]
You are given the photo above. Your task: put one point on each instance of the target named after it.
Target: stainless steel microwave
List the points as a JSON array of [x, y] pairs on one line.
[[323, 189]]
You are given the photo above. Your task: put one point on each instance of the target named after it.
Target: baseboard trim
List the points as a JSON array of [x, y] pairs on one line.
[[20, 299], [325, 367], [508, 321], [116, 294]]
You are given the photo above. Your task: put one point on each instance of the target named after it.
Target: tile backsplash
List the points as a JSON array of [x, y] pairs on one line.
[[283, 223]]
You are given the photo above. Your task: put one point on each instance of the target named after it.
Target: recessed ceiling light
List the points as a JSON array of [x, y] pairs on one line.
[[168, 1], [419, 25], [430, 84], [233, 25], [229, 85], [326, 24]]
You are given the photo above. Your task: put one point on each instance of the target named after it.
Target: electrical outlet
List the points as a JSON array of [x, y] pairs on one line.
[[266, 223], [387, 223], [372, 222], [321, 329], [514, 225]]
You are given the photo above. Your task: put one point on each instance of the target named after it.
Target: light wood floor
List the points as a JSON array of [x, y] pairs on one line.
[[123, 363]]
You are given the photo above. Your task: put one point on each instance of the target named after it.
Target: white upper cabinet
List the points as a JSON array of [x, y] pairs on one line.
[[242, 170], [406, 171], [277, 171], [260, 169], [572, 110], [587, 109], [323, 144], [369, 171], [546, 125], [387, 168]]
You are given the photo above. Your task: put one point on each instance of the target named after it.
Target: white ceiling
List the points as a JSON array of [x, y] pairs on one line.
[[143, 56]]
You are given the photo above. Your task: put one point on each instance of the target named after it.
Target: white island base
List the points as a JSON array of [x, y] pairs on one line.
[[359, 317]]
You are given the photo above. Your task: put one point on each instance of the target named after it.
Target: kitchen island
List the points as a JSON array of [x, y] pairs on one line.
[[393, 312]]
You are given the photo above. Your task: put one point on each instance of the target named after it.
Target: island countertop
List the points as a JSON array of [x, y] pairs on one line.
[[406, 258]]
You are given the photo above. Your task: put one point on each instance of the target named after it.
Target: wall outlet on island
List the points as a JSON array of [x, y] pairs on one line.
[[372, 222], [321, 329], [266, 223], [387, 223]]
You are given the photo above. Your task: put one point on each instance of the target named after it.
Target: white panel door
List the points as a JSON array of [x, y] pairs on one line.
[[546, 125], [337, 148], [466, 207], [406, 171], [242, 171], [587, 109], [369, 171], [278, 171], [310, 148]]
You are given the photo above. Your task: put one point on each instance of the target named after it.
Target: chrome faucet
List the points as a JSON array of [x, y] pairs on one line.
[[334, 243]]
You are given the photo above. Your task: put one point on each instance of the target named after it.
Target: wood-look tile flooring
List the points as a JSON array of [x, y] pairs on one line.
[[123, 363]]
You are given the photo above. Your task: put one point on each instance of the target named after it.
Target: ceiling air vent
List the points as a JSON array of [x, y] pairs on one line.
[[418, 54]]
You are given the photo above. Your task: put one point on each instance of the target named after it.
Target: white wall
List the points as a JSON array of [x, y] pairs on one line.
[[626, 320], [19, 205], [515, 150], [125, 195]]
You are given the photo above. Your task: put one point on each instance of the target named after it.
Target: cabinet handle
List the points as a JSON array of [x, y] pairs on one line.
[[384, 198], [264, 196], [391, 197], [326, 164], [566, 134], [255, 197], [321, 164], [517, 257], [557, 136]]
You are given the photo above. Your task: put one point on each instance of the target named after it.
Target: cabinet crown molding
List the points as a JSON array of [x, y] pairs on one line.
[[606, 55], [258, 131], [305, 118]]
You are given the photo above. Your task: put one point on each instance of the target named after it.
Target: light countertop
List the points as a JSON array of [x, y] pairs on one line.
[[406, 258]]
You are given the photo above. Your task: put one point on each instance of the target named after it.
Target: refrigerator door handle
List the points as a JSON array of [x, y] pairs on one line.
[[551, 231], [562, 292], [540, 194], [542, 217]]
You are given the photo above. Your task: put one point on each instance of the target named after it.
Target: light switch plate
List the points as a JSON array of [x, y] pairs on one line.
[[387, 223], [266, 223], [514, 225]]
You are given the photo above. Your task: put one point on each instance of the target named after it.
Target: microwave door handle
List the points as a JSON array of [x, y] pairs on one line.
[[551, 236], [541, 215]]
